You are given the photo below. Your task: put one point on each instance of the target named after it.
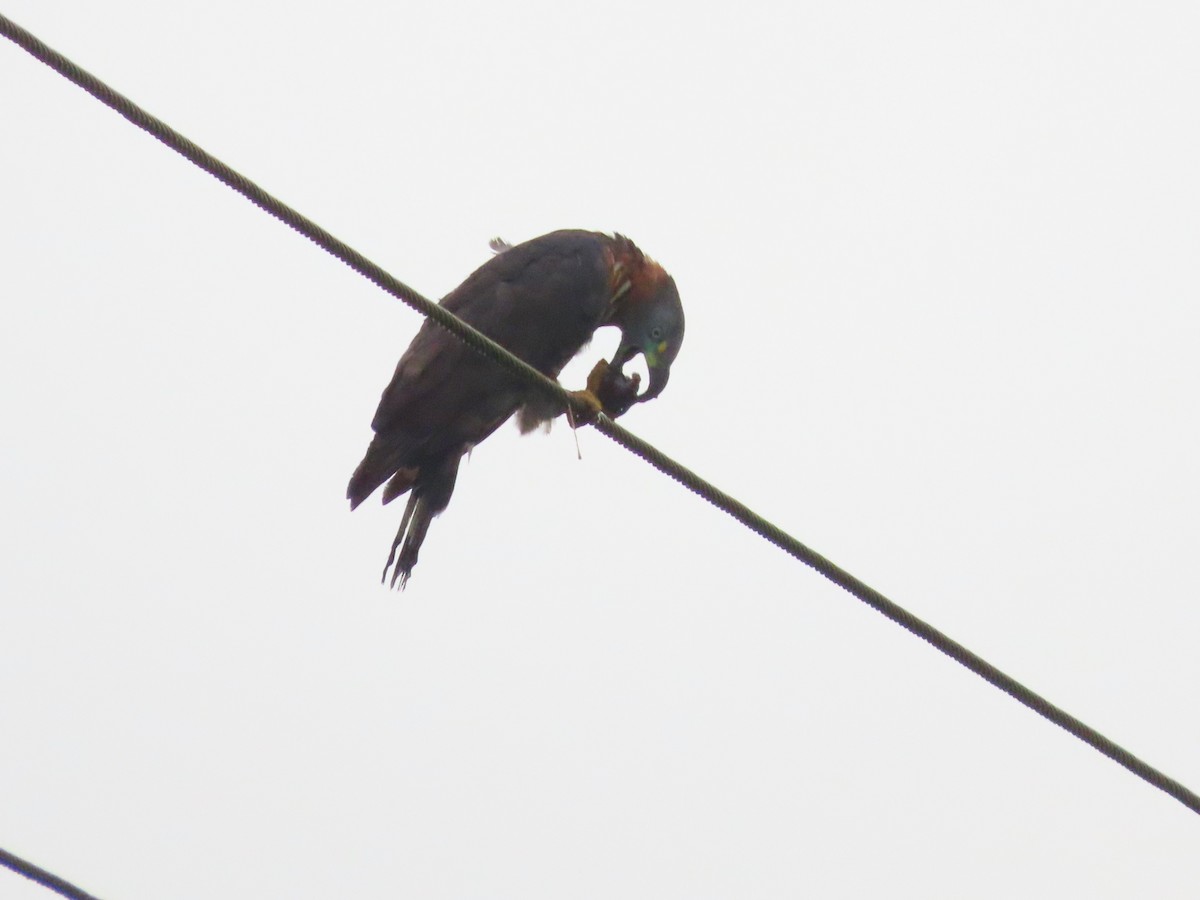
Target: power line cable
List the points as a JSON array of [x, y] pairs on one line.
[[41, 876], [899, 614], [636, 445], [277, 208]]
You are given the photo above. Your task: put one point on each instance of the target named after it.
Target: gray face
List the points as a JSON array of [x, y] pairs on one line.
[[653, 328]]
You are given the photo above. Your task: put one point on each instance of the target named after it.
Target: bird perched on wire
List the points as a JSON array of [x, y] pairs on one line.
[[541, 300]]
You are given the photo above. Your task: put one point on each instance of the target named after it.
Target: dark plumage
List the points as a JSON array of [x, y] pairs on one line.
[[542, 300]]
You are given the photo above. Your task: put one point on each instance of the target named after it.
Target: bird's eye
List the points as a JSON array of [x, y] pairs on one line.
[[655, 334]]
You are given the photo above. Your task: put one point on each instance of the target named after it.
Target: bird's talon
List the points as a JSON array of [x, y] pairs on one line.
[[585, 406]]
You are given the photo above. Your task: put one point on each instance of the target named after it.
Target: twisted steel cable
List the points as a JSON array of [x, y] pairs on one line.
[[40, 876]]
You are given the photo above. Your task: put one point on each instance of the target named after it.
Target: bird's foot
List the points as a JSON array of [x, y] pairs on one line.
[[584, 408]]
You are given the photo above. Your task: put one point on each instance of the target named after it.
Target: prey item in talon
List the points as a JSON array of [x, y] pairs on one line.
[[616, 391]]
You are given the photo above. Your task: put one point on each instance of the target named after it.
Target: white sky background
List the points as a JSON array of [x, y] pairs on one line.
[[939, 262]]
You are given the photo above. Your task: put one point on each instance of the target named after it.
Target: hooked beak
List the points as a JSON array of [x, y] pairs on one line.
[[659, 372], [658, 380]]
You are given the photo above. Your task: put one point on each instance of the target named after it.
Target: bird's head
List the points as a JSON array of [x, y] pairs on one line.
[[647, 309]]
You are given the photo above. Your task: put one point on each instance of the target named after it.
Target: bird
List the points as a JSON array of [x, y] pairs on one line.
[[542, 300]]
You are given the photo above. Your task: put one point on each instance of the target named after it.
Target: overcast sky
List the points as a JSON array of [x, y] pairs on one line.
[[940, 268]]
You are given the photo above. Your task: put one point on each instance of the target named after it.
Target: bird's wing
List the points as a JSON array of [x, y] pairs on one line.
[[541, 300]]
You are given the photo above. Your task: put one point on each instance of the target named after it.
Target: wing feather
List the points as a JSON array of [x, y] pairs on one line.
[[541, 300]]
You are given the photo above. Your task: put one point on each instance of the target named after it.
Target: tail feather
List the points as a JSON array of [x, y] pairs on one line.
[[411, 542], [378, 465], [399, 483], [432, 487]]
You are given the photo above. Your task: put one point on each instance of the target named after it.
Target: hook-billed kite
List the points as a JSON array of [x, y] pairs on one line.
[[542, 300]]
